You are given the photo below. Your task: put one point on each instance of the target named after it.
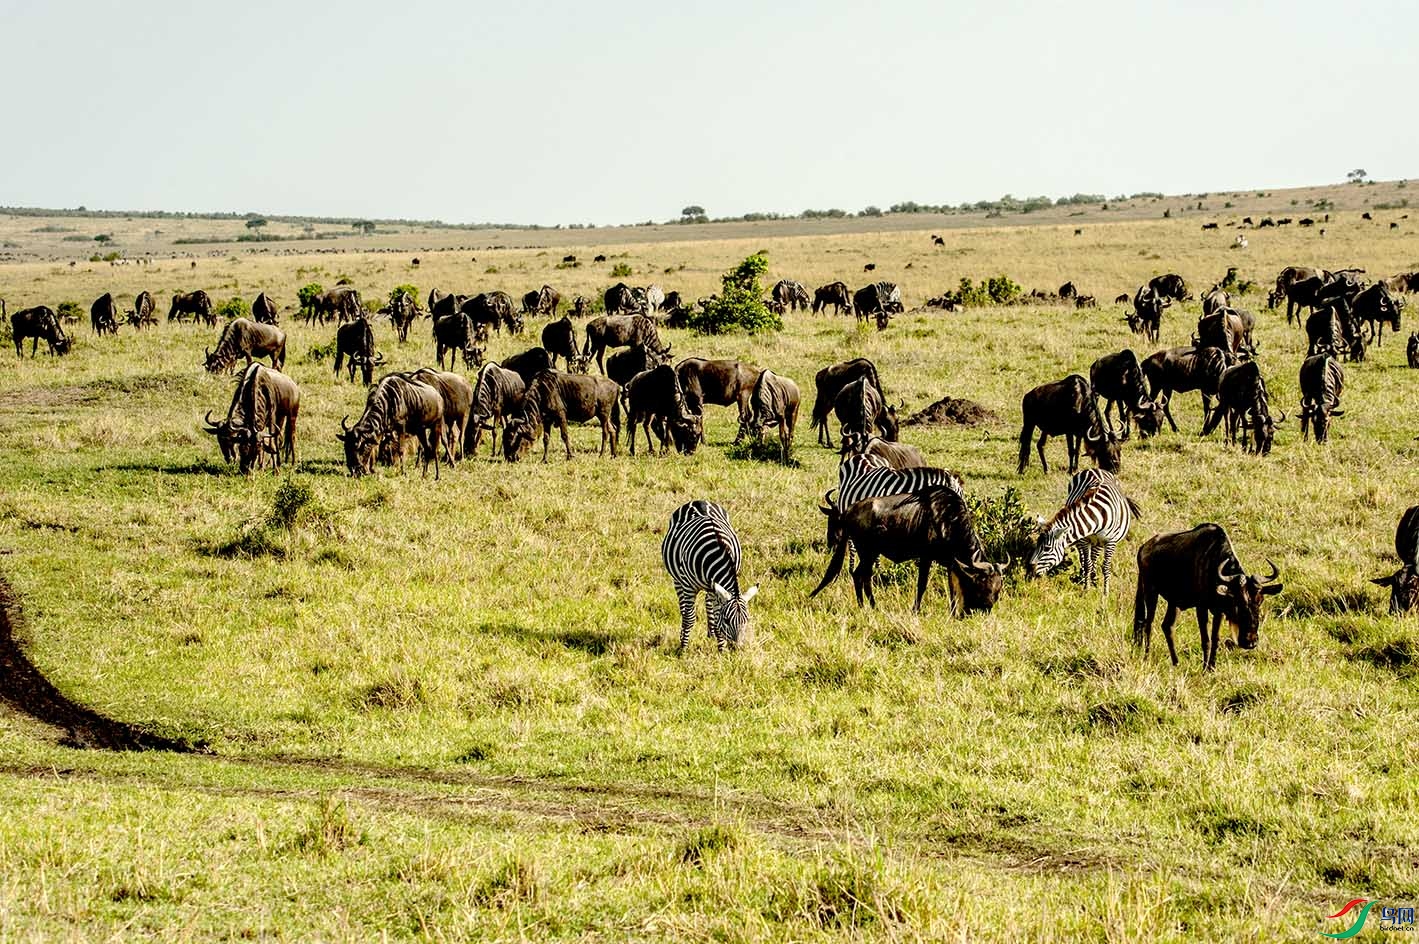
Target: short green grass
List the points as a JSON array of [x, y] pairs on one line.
[[455, 709]]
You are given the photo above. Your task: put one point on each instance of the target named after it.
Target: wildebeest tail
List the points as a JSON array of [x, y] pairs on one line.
[[835, 565]]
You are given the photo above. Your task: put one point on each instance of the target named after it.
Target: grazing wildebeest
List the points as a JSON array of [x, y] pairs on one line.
[[1067, 290], [897, 455], [581, 308], [103, 314], [1118, 379], [1085, 301], [620, 299], [402, 310], [1066, 407], [555, 396], [717, 383], [880, 300], [1322, 382], [142, 314], [395, 408], [529, 363], [861, 408], [260, 421], [457, 395], [1404, 583], [611, 331], [1121, 298], [1223, 328], [829, 381], [625, 364], [1183, 369], [559, 340], [599, 258], [774, 402], [498, 394], [654, 396], [198, 304], [263, 310], [791, 294], [493, 310], [1215, 299], [1147, 317], [1325, 333], [870, 267], [1411, 350], [455, 333], [245, 338], [36, 323], [1198, 569], [355, 341], [1207, 226], [1170, 286], [341, 303], [1376, 307], [930, 525], [1306, 221], [1242, 401], [835, 294]]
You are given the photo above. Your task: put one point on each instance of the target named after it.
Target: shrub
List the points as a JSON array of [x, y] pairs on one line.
[[1004, 526], [307, 294], [70, 311], [620, 271], [292, 496], [1002, 290], [410, 290], [234, 307], [740, 304]]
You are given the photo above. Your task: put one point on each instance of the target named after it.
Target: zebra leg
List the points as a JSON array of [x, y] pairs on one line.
[[1108, 565], [1086, 564], [712, 615], [687, 614]]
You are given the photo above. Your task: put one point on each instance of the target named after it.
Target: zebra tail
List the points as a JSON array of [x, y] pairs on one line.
[[1133, 507], [835, 565]]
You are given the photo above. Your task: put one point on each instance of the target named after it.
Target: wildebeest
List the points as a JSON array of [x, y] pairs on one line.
[[610, 331], [39, 322], [559, 340], [792, 295], [1118, 379], [198, 304], [835, 294], [142, 314], [627, 363], [455, 333], [1121, 298], [1322, 382], [263, 310], [620, 299], [1198, 569], [717, 383], [774, 402], [930, 525], [1209, 226], [1376, 307], [103, 314], [1404, 583], [654, 397], [543, 301], [1067, 290], [1223, 328], [494, 310], [580, 307], [1147, 318], [1411, 350], [880, 299], [260, 421], [1215, 299], [1085, 301], [341, 303], [457, 394], [861, 408], [395, 408], [1301, 286], [496, 397], [355, 341], [1183, 369], [1170, 286], [1324, 332], [1243, 402], [829, 381], [555, 396], [1066, 407], [402, 310], [529, 363], [245, 338]]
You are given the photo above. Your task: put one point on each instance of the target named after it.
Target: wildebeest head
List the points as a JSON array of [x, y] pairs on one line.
[[1148, 415], [1403, 589], [1103, 449], [226, 435], [829, 508], [473, 356], [1242, 595], [519, 433], [975, 584], [362, 444], [687, 431]]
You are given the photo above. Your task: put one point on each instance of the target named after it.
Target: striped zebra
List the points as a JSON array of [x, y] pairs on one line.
[[701, 552], [1095, 512], [871, 476]]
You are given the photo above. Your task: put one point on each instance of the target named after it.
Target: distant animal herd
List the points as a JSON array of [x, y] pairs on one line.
[[887, 501]]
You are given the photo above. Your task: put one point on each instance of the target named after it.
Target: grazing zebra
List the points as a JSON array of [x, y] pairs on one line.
[[1095, 512], [701, 552]]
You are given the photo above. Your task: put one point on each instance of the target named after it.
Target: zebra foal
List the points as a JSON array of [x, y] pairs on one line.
[[1096, 513], [701, 553]]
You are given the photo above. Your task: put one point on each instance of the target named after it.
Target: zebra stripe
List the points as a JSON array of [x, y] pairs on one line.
[[1095, 512], [862, 477], [701, 553]]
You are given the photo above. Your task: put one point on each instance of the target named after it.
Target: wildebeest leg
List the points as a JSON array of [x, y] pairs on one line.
[[1145, 604], [862, 577], [922, 574], [1041, 447], [1207, 649], [1168, 410], [1071, 446], [567, 439], [1216, 635], [687, 614], [1026, 435], [785, 438], [1169, 618]]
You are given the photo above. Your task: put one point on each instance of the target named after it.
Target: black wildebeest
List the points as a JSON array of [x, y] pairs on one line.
[[493, 310], [624, 365], [555, 396], [1404, 583], [245, 338], [1411, 350], [1215, 299], [263, 310], [402, 310], [1067, 290], [261, 420], [529, 363], [620, 300], [1223, 328], [142, 314], [39, 322], [1197, 569], [103, 314], [1147, 317], [861, 409], [611, 331], [931, 525], [1183, 369], [341, 303], [790, 294], [829, 381], [559, 340], [395, 408], [835, 294], [1243, 402], [543, 302], [717, 383], [1118, 379], [1325, 333], [654, 397], [1170, 286], [198, 304], [355, 341], [455, 333], [496, 397], [1066, 407], [1376, 307], [1322, 382], [1121, 298], [774, 402], [879, 300]]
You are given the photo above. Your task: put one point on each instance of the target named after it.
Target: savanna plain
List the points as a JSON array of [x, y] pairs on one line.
[[454, 709]]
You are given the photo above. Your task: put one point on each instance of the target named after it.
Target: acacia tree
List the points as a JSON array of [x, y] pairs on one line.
[[1357, 176]]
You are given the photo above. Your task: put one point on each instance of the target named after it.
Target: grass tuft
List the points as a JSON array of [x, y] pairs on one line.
[[515, 881], [399, 692], [331, 829], [706, 842]]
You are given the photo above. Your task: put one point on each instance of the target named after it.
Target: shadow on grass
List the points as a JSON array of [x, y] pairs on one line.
[[591, 641]]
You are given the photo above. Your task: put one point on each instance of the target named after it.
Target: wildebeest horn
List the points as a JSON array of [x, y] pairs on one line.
[[1222, 572], [1143, 404], [1090, 435], [378, 359], [208, 352], [1282, 419], [1275, 572]]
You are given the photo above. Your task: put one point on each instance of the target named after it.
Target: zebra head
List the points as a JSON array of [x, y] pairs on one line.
[[1049, 552], [733, 625]]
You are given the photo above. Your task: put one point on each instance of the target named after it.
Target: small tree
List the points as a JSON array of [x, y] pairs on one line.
[[398, 290], [740, 305], [255, 223], [364, 226], [1357, 176], [693, 210], [102, 238], [620, 271], [871, 211], [233, 307], [307, 294]]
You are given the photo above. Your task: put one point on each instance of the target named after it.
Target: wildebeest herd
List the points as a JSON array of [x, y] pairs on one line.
[[887, 502]]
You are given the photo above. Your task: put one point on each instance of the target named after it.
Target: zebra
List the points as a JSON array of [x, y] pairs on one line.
[[869, 476], [701, 553], [1096, 511]]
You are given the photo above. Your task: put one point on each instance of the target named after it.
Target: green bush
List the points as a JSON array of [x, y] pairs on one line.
[[740, 305], [308, 292], [1002, 290], [1004, 526], [410, 290], [70, 311], [620, 271], [234, 307]]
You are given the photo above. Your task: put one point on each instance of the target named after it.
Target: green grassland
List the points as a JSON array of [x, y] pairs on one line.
[[454, 709]]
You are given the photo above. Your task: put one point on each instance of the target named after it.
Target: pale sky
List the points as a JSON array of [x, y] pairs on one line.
[[607, 111]]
